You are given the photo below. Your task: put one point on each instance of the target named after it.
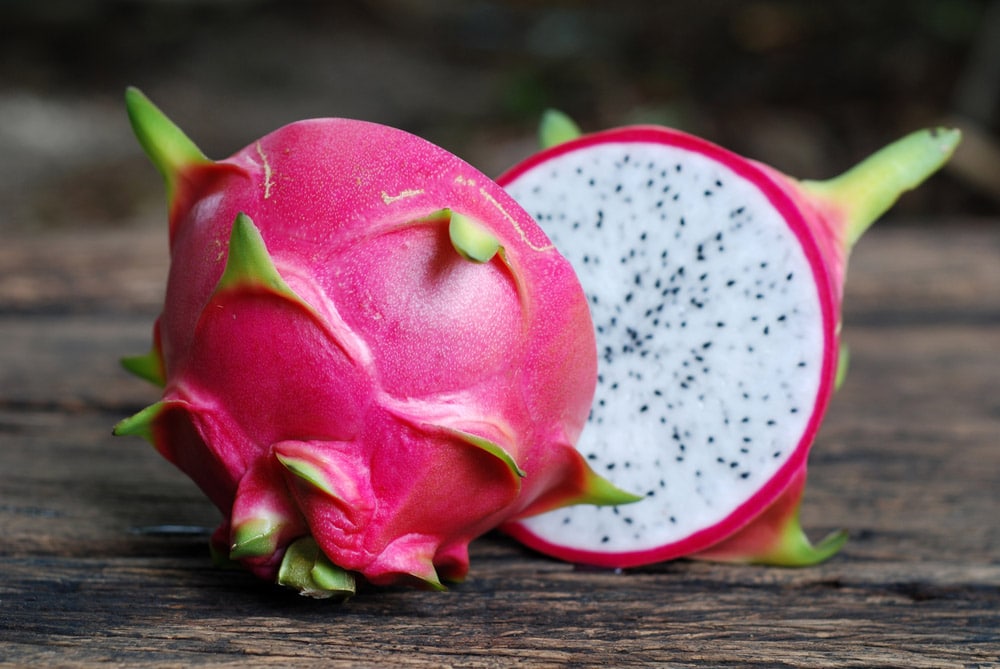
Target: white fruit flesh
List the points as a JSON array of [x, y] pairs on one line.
[[710, 335]]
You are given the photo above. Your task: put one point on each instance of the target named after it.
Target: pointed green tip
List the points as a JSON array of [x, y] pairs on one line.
[[141, 424], [472, 241], [796, 550], [556, 128], [308, 570], [870, 188], [601, 492], [166, 144], [148, 367], [257, 537], [843, 362], [429, 579], [493, 448], [249, 263], [310, 472]]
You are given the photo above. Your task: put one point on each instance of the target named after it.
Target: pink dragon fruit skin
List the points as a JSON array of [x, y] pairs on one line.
[[370, 354]]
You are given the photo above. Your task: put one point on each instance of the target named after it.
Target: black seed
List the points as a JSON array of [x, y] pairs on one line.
[[644, 408], [745, 475]]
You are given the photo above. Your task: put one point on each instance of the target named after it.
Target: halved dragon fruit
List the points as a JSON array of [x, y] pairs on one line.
[[715, 286], [370, 353]]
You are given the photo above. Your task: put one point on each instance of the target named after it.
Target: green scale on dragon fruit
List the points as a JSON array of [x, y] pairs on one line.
[[715, 286], [369, 354]]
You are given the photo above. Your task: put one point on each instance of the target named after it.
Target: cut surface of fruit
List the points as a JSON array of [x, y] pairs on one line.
[[715, 325]]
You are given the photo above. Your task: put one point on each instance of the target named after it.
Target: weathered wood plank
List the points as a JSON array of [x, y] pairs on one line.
[[695, 615]]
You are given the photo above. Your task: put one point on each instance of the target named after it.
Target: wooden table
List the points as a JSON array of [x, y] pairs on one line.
[[908, 459]]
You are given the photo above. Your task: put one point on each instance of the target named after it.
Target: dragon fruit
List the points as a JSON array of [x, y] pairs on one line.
[[715, 286], [369, 354]]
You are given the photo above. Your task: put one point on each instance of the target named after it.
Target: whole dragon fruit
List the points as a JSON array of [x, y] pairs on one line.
[[370, 354], [715, 285]]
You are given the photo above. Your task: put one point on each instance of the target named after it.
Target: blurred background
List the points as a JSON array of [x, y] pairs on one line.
[[810, 87]]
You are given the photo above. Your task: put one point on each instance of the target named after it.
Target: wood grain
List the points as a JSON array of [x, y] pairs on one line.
[[103, 555]]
